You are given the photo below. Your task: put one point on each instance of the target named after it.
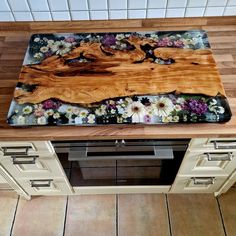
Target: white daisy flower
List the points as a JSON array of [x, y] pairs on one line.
[[56, 115], [91, 118], [154, 37], [42, 120], [100, 111], [83, 113], [137, 111], [162, 107], [50, 42], [27, 110], [180, 100], [49, 112], [21, 120], [38, 55], [69, 110], [36, 40], [44, 49], [61, 47], [120, 36]]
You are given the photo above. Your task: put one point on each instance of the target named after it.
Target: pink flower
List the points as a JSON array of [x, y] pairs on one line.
[[178, 43], [70, 39], [38, 112], [164, 42]]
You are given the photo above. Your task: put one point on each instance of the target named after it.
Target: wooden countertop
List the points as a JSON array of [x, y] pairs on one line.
[[14, 40]]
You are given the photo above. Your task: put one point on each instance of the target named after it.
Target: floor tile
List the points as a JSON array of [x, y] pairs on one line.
[[228, 209], [142, 215], [8, 202], [194, 215], [90, 215], [41, 216]]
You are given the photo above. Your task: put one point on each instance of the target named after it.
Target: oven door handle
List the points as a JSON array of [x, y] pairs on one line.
[[81, 154]]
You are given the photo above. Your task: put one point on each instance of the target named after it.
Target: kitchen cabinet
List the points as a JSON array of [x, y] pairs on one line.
[[208, 165], [33, 168]]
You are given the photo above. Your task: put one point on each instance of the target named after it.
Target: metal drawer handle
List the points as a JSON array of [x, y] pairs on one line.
[[22, 150], [203, 180], [41, 183], [17, 160], [224, 145], [219, 156]]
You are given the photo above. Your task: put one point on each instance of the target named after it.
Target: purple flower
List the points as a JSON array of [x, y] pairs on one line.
[[147, 119], [50, 104], [109, 40], [196, 106]]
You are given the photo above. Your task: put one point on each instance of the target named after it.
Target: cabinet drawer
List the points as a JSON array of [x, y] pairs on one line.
[[55, 186], [186, 184], [25, 148], [33, 166], [208, 163], [213, 144]]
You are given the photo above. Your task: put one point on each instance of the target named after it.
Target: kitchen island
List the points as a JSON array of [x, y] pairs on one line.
[[217, 178]]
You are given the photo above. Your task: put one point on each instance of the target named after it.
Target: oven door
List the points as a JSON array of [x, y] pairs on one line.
[[122, 163]]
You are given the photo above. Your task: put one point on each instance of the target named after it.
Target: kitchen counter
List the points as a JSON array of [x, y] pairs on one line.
[[14, 40]]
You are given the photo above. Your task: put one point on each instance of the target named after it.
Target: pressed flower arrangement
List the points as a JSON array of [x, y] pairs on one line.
[[141, 108]]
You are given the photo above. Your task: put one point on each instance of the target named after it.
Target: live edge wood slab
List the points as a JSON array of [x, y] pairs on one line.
[[14, 40]]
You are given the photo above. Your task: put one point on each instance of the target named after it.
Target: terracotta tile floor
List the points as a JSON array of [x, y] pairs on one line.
[[119, 215]]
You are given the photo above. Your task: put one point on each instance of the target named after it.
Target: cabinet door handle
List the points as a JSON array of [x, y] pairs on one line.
[[224, 145], [228, 156], [18, 160], [203, 180], [41, 183], [13, 151]]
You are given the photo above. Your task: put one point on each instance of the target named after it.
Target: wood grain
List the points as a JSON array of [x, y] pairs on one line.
[[18, 34], [194, 215], [113, 73]]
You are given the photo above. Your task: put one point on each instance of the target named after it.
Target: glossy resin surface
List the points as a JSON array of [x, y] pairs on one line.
[[118, 78]]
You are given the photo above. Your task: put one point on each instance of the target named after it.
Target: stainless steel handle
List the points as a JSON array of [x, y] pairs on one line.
[[21, 150], [41, 183], [19, 160], [158, 153], [203, 180], [228, 156], [224, 145]]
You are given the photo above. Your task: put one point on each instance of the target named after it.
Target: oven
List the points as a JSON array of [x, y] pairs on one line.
[[121, 162]]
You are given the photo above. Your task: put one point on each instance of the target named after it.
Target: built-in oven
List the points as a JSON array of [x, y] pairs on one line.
[[121, 162]]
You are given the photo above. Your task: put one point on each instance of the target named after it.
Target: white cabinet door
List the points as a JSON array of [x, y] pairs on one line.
[[185, 184], [56, 186], [208, 163], [33, 166]]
